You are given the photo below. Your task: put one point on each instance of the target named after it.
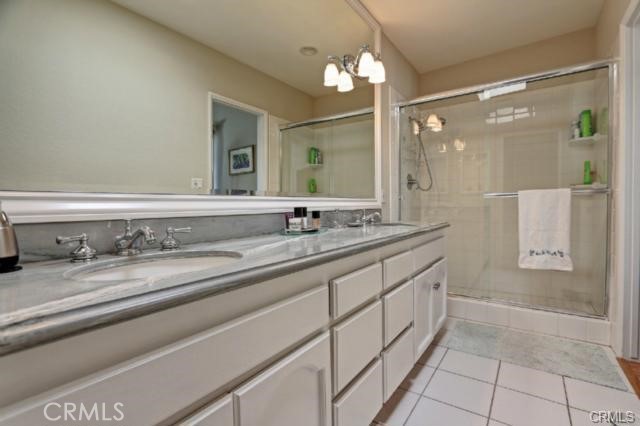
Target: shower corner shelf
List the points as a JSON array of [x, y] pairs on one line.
[[587, 140]]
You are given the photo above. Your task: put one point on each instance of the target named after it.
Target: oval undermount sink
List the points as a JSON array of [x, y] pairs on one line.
[[154, 266]]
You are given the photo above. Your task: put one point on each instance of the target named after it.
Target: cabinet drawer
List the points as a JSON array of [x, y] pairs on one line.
[[356, 342], [397, 361], [294, 391], [428, 253], [352, 290], [220, 413], [397, 268], [398, 311], [362, 401], [159, 384]]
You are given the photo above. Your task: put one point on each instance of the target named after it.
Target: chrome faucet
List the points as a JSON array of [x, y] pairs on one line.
[[374, 217], [130, 243]]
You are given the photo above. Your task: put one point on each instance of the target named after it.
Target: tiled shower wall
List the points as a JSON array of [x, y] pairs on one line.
[[510, 143]]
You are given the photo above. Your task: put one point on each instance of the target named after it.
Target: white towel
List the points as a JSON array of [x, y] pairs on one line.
[[544, 226]]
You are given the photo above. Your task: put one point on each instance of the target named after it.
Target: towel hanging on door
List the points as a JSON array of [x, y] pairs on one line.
[[544, 228]]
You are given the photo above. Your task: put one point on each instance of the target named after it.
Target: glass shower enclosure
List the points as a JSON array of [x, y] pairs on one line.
[[493, 141]]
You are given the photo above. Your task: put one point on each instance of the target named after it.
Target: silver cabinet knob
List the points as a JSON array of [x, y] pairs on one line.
[[436, 286], [82, 253], [171, 242]]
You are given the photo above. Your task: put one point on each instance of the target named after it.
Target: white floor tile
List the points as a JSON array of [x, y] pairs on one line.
[[589, 397], [433, 413], [432, 356], [495, 423], [417, 378], [478, 367], [518, 409], [534, 382], [463, 392], [397, 409]]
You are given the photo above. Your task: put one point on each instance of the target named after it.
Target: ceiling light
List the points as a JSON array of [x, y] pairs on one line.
[[459, 144], [308, 51], [345, 83], [362, 66], [331, 74], [379, 74]]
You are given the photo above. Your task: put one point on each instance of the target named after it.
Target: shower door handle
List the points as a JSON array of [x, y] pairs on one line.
[[436, 286]]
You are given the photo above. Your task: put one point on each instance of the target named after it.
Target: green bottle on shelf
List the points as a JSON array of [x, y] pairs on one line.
[[312, 186], [586, 179], [313, 155], [586, 127]]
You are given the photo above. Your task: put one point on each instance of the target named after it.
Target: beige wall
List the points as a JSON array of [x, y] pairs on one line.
[[607, 29], [336, 103], [556, 52], [96, 98]]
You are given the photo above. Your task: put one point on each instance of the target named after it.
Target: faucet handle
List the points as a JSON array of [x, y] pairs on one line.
[[170, 242], [82, 253]]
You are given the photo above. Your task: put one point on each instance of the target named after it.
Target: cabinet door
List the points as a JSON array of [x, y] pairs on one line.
[[220, 413], [439, 296], [293, 392], [422, 314]]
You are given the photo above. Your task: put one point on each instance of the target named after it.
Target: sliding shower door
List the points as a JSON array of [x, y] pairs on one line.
[[489, 150]]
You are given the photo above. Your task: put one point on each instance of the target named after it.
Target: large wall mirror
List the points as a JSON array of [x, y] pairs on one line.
[[193, 97]]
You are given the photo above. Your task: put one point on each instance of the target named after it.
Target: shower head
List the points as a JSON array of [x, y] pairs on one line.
[[432, 122]]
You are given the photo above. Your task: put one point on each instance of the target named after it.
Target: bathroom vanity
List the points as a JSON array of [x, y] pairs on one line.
[[313, 330]]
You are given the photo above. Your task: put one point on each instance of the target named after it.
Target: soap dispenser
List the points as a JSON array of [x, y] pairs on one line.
[[9, 254]]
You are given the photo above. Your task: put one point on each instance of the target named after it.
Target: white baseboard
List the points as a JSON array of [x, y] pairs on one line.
[[591, 330]]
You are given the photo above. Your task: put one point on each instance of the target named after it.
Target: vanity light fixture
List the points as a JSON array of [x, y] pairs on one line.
[[341, 71], [459, 144]]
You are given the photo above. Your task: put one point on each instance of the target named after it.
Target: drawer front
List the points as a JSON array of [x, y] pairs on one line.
[[398, 311], [220, 413], [352, 290], [362, 401], [294, 391], [356, 342], [397, 361], [428, 253], [397, 268], [157, 385]]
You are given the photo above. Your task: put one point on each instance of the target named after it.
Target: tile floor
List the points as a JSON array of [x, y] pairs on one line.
[[453, 388]]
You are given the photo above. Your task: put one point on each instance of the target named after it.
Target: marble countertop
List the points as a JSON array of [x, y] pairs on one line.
[[44, 301]]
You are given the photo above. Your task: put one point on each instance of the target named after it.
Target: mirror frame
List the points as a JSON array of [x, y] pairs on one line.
[[41, 207]]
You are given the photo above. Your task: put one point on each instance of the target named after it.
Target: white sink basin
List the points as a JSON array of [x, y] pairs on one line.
[[153, 267]]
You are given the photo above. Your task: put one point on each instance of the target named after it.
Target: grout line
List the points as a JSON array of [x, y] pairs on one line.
[[468, 377], [531, 395], [493, 395], [566, 397], [455, 406], [425, 387]]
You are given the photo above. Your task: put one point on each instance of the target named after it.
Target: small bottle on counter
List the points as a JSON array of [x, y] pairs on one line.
[[315, 219], [295, 223], [305, 218]]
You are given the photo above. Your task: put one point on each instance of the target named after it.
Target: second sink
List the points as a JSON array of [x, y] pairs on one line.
[[152, 266]]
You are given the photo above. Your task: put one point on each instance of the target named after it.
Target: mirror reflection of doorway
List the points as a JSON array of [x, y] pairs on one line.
[[236, 129]]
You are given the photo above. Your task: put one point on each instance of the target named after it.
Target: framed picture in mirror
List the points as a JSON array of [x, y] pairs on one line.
[[241, 160]]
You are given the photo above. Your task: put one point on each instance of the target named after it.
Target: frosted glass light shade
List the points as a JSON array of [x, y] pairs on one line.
[[331, 74], [459, 144], [345, 83], [378, 74], [366, 66], [433, 121]]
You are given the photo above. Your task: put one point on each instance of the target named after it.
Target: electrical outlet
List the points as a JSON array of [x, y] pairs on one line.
[[197, 183]]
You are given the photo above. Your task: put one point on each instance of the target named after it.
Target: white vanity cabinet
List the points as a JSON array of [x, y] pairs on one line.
[[220, 413], [430, 305], [295, 391]]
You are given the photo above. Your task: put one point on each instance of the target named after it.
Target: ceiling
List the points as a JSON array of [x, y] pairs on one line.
[[266, 35], [434, 33]]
